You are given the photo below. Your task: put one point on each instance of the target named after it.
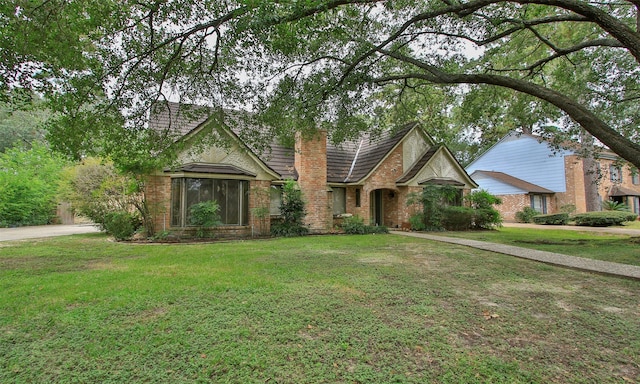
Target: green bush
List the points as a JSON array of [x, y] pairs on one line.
[[457, 218], [486, 218], [286, 229], [121, 225], [29, 184], [355, 226], [417, 222], [526, 215], [292, 212], [204, 215], [552, 219], [604, 218], [610, 205]]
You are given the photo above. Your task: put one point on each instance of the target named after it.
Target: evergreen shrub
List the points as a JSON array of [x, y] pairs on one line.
[[552, 219], [604, 218]]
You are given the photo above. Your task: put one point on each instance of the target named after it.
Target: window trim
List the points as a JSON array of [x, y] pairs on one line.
[[615, 173], [182, 220]]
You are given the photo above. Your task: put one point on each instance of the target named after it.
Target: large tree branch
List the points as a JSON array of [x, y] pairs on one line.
[[629, 38], [622, 146]]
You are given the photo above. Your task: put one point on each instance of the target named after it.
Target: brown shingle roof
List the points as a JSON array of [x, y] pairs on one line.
[[623, 191], [419, 164], [514, 181], [348, 162]]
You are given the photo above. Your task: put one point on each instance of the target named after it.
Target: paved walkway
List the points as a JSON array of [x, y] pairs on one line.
[[599, 266], [34, 232]]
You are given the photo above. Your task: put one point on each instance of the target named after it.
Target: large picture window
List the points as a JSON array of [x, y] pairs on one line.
[[231, 195], [539, 203], [339, 200]]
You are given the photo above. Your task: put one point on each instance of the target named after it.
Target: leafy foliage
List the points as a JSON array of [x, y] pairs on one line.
[[439, 211], [96, 188], [604, 218], [526, 215], [610, 205], [561, 68], [292, 212], [552, 219], [121, 225], [29, 182], [204, 215], [354, 225]]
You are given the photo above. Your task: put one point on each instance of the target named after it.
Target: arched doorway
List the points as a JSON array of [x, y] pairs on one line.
[[383, 203]]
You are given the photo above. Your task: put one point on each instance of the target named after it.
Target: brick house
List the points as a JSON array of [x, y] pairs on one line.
[[371, 178], [526, 171]]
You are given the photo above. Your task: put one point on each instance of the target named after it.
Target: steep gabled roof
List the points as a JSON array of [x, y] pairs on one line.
[[419, 164], [514, 181], [349, 162], [372, 150]]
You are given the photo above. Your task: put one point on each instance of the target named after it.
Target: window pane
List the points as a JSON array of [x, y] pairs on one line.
[[232, 205], [339, 201], [176, 202], [276, 200], [198, 190], [244, 212], [538, 203]]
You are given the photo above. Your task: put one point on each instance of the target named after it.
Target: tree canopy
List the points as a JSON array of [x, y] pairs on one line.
[[343, 65]]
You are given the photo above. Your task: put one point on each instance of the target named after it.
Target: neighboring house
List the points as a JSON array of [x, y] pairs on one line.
[[370, 178], [525, 171]]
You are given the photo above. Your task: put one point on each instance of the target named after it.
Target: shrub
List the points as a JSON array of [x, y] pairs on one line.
[[603, 218], [29, 183], [457, 218], [121, 225], [285, 229], [552, 219], [526, 215], [486, 218], [610, 205], [417, 222], [204, 215], [355, 226], [292, 211]]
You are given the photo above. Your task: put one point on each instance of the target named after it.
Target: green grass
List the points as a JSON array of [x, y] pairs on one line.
[[601, 246], [334, 309]]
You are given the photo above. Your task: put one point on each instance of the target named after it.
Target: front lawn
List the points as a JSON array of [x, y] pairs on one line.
[[334, 309], [623, 249]]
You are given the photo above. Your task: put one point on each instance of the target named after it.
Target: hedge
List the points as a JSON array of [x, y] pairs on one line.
[[551, 219], [604, 218]]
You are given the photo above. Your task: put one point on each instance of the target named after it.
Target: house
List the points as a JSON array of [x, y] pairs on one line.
[[526, 171], [371, 177]]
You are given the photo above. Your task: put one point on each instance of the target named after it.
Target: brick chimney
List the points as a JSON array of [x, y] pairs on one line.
[[311, 164]]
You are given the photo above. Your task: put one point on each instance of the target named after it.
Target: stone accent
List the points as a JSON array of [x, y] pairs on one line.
[[311, 164]]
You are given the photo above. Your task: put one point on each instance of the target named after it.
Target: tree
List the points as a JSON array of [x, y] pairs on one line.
[[29, 182], [335, 64], [21, 122]]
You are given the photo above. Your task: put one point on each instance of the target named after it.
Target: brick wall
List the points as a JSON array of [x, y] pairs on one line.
[[575, 185], [158, 195], [311, 164], [259, 198], [512, 204]]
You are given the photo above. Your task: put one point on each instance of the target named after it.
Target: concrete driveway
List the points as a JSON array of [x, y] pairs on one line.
[[21, 233]]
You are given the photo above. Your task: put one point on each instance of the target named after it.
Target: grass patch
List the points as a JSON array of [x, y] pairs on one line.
[[623, 249], [340, 309]]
